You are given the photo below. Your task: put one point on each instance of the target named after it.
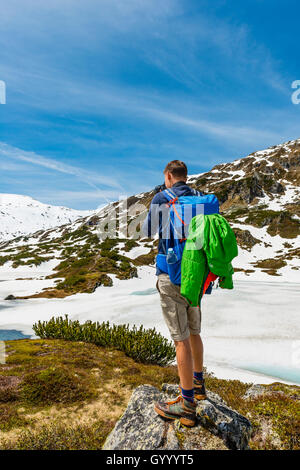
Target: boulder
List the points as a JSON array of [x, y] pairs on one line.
[[255, 391], [10, 297], [140, 428]]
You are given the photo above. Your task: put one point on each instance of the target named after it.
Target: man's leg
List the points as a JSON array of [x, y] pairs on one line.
[[198, 379], [194, 317], [197, 352], [184, 406], [184, 363], [174, 308]]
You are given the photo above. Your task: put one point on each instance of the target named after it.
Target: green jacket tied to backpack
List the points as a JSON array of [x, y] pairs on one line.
[[210, 247]]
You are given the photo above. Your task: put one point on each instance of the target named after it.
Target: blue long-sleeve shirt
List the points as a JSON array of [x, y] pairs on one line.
[[154, 221]]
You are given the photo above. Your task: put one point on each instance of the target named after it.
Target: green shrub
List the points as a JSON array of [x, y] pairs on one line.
[[146, 346], [4, 259], [129, 244], [109, 243], [71, 281]]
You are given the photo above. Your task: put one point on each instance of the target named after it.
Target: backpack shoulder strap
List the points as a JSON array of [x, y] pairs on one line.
[[169, 194], [196, 193]]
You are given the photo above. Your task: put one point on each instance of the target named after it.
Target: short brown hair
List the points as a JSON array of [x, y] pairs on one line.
[[177, 168]]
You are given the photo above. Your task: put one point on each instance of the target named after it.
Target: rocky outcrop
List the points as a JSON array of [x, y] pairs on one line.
[[140, 428], [10, 297], [245, 239]]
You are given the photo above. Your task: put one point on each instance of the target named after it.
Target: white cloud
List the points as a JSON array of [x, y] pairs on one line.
[[89, 177], [78, 196]]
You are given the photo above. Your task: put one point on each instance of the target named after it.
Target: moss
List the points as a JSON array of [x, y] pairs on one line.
[[260, 218], [59, 437], [56, 385], [278, 222], [129, 244], [285, 226], [10, 418], [284, 414], [236, 214], [148, 259], [71, 281], [276, 413], [231, 391], [270, 263], [4, 259]]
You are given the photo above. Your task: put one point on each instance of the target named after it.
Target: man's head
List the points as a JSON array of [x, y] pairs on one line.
[[175, 171]]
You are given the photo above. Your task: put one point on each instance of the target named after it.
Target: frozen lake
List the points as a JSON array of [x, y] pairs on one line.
[[251, 333]]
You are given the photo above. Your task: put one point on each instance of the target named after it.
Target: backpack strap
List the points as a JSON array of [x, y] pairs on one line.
[[196, 193], [170, 196]]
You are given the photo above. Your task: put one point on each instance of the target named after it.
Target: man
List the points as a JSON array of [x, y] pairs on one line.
[[183, 321]]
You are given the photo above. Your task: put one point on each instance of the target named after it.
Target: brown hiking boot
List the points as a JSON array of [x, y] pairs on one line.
[[199, 389], [181, 409]]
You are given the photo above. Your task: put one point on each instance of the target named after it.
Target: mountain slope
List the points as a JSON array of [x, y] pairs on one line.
[[259, 196], [21, 215]]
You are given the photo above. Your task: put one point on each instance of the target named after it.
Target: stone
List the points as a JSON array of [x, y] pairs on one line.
[[140, 428], [219, 419], [10, 297], [255, 391]]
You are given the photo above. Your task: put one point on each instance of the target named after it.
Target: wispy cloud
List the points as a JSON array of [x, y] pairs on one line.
[[91, 178], [73, 197], [112, 89], [229, 131]]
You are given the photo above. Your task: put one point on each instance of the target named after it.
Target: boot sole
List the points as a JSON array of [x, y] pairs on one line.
[[200, 397], [183, 420]]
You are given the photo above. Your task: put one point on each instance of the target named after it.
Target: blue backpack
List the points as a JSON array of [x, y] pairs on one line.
[[181, 211]]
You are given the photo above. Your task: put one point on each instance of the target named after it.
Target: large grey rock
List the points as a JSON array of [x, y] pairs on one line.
[[218, 418], [255, 391], [140, 428]]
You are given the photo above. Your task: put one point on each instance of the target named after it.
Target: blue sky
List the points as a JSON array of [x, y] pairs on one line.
[[101, 94]]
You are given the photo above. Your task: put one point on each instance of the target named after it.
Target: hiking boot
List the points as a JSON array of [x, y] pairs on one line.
[[181, 409], [199, 389]]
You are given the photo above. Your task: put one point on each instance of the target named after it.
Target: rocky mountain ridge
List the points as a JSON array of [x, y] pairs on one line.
[[259, 196]]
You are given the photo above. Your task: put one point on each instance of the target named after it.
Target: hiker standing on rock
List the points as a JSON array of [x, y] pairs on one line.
[[183, 321]]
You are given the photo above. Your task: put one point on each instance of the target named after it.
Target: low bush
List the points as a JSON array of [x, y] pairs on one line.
[[146, 346]]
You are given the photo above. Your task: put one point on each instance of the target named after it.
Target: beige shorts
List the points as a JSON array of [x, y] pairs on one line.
[[181, 319]]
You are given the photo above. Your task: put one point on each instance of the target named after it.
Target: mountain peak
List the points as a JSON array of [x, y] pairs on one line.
[[22, 215]]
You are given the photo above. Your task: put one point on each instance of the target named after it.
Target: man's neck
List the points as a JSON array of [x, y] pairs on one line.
[[179, 182]]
